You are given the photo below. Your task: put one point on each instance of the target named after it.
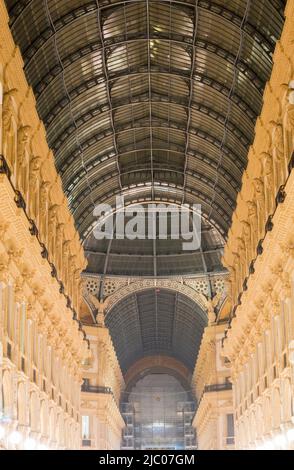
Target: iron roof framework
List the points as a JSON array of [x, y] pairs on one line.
[[154, 322], [138, 91], [155, 100], [152, 99], [139, 258]]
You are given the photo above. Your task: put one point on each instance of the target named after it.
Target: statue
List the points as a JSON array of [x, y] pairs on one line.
[[52, 220], [9, 129], [43, 209], [253, 219], [241, 247], [289, 122], [280, 161], [269, 184], [238, 280], [72, 268], [34, 173], [23, 137], [65, 264], [260, 204], [211, 308], [248, 242], [59, 242]]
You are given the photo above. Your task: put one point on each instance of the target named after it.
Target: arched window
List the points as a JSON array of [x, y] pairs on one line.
[[34, 412], [259, 421], [21, 404], [276, 407], [44, 418], [7, 394], [267, 414], [52, 430]]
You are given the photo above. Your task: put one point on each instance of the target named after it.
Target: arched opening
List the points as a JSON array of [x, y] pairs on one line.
[[158, 412], [21, 404], [170, 102], [147, 328], [7, 395], [153, 322], [35, 412]]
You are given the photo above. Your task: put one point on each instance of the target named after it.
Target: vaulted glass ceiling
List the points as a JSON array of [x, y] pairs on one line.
[[155, 257], [152, 99], [154, 322]]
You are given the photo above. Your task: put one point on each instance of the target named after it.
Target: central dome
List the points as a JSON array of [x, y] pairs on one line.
[[158, 252]]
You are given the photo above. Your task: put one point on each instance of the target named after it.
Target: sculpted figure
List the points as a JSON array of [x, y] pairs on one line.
[[289, 122], [243, 258], [72, 268], [52, 220], [23, 137], [260, 203], [65, 264], [9, 129], [269, 184], [248, 244], [290, 117], [77, 288], [211, 312], [253, 219], [280, 160], [59, 243], [43, 213], [238, 281], [34, 173], [230, 283]]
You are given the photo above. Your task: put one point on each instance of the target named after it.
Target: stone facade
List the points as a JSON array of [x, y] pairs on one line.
[[60, 382], [42, 342], [213, 390], [101, 390], [259, 339]]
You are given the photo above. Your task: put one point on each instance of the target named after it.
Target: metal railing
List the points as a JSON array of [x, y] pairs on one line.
[[86, 387], [218, 387], [214, 388]]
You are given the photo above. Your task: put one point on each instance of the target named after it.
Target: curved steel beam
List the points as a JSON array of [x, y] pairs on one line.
[[84, 52], [161, 255], [91, 8], [19, 7], [225, 200], [197, 175], [87, 225], [94, 162], [221, 225], [174, 126], [138, 72], [184, 314], [143, 98]]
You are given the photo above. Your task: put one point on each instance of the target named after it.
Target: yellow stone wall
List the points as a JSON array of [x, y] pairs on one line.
[[213, 391], [42, 345], [259, 340], [101, 392], [270, 160]]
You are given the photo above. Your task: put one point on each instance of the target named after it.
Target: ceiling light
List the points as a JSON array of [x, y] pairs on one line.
[[290, 435], [280, 441], [29, 444], [15, 437], [42, 447], [2, 432]]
